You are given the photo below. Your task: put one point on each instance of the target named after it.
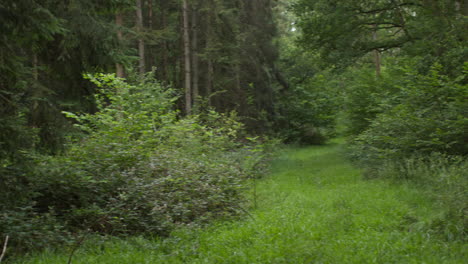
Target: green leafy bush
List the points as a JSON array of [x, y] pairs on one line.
[[418, 134], [428, 114], [19, 218], [140, 169]]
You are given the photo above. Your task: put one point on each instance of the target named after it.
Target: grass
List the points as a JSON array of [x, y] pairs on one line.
[[314, 208]]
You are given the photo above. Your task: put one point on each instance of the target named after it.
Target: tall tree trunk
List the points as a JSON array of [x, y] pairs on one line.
[[150, 14], [195, 89], [141, 42], [209, 80], [37, 96], [150, 50], [119, 22], [209, 62], [165, 49], [187, 59], [35, 67], [238, 78]]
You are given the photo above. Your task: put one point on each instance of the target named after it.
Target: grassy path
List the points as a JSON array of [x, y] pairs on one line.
[[314, 208]]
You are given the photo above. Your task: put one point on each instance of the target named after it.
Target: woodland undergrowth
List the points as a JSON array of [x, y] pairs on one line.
[[137, 168]]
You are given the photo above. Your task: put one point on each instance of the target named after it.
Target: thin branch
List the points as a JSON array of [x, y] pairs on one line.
[[388, 8], [389, 27], [396, 32], [402, 19], [388, 48], [6, 99], [4, 248], [83, 237], [384, 47], [303, 78], [280, 79], [77, 245], [383, 23], [247, 212]]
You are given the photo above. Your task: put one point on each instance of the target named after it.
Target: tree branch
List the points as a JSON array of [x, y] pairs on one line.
[[4, 248], [392, 25], [396, 32], [379, 10]]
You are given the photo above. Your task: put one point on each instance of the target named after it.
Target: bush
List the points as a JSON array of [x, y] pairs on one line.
[[139, 170], [26, 227], [427, 115], [418, 134]]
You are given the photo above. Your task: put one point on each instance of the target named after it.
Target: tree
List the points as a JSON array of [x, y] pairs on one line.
[[343, 30], [26, 27], [48, 45], [195, 60], [119, 23], [187, 59], [141, 42]]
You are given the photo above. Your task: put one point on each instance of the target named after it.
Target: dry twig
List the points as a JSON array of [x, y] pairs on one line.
[[4, 248]]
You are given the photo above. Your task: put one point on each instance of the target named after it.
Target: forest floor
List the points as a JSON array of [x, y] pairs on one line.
[[314, 207]]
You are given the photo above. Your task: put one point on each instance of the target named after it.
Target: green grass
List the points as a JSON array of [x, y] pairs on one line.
[[313, 208]]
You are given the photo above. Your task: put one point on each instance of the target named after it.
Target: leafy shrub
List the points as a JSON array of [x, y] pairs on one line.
[[366, 95], [418, 134], [139, 170], [429, 116], [26, 227]]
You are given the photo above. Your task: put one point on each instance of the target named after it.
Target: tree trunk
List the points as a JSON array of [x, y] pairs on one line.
[[150, 14], [35, 67], [209, 60], [187, 59], [37, 96], [141, 42], [119, 22], [165, 48], [238, 78], [150, 50], [209, 80], [195, 56]]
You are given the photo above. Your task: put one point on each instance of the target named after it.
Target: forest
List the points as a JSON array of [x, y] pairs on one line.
[[152, 120]]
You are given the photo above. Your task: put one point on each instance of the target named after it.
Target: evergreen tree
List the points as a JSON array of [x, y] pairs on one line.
[[220, 50]]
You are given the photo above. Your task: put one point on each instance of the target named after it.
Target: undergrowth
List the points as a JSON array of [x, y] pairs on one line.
[[137, 169], [314, 208]]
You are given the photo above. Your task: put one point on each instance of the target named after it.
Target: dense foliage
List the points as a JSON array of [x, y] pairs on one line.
[[139, 170], [118, 158], [415, 114], [47, 45], [400, 70], [169, 145], [412, 126], [308, 101], [342, 31]]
